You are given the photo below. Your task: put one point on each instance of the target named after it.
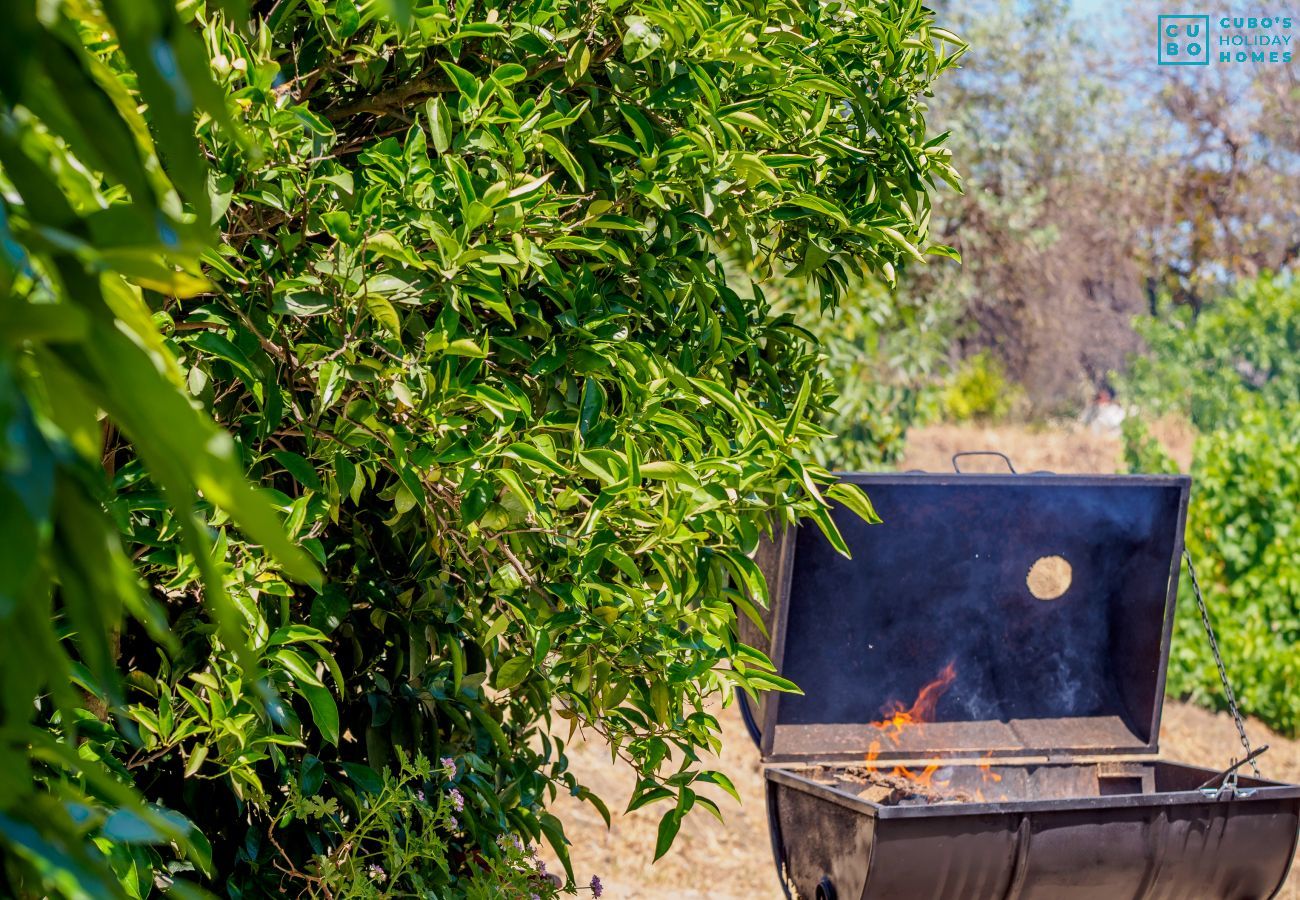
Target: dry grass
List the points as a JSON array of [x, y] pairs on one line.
[[710, 860], [1068, 448], [733, 860]]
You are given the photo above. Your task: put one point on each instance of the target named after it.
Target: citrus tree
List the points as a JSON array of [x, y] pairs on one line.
[[464, 318]]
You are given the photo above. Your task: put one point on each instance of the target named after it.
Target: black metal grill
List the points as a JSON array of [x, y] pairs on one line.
[[1051, 721]]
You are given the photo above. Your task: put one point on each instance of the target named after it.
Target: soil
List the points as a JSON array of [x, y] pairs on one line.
[[732, 860]]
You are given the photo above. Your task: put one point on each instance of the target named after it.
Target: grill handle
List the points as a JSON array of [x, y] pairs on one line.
[[956, 456]]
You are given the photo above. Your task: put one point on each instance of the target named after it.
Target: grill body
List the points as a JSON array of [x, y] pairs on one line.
[[1170, 846], [1052, 600]]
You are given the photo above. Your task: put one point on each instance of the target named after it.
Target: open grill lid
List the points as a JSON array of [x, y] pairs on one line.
[[1038, 609]]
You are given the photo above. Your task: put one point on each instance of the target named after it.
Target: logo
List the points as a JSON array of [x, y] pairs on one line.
[[1183, 41], [1187, 40]]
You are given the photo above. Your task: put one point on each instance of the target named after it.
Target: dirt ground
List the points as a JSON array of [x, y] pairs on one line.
[[733, 860]]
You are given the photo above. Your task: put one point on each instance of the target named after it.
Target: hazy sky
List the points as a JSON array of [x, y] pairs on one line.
[[1089, 8]]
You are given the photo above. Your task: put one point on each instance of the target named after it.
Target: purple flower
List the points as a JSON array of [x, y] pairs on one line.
[[454, 822], [457, 799], [377, 873], [541, 867], [596, 887], [419, 795], [449, 765]]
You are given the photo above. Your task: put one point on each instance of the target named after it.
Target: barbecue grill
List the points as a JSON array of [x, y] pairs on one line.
[[1003, 639]]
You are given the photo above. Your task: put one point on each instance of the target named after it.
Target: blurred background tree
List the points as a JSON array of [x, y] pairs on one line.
[[1097, 184]]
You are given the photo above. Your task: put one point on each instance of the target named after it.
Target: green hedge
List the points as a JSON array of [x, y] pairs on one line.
[[1233, 372]]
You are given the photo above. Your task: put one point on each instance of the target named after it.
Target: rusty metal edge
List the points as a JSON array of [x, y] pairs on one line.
[[973, 758], [1272, 789], [777, 599], [1171, 602], [1029, 756]]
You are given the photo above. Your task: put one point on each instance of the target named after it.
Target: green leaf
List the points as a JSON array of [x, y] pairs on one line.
[[770, 681], [667, 470], [536, 457], [669, 825], [439, 117], [295, 633], [302, 471], [722, 781], [822, 518], [593, 401], [555, 148], [822, 206], [897, 237], [800, 403], [196, 759], [384, 313], [302, 303], [595, 801], [853, 497], [577, 61], [659, 700], [76, 872], [646, 794], [641, 39], [528, 188], [512, 672], [553, 828], [348, 17], [466, 84], [302, 673], [39, 322], [324, 711]]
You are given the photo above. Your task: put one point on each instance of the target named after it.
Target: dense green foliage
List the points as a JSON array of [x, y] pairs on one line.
[[1241, 354], [399, 846], [468, 324], [1233, 371]]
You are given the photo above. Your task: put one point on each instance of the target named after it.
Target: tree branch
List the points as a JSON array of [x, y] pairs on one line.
[[392, 101]]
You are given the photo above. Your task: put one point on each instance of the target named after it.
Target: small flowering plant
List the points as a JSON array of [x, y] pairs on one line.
[[406, 840]]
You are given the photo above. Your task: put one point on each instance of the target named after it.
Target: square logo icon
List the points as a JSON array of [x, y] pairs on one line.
[[1183, 41]]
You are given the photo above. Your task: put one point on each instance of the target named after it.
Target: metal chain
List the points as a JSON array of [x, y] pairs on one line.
[[1218, 661]]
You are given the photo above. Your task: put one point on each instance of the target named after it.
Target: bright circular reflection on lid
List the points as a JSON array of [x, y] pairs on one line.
[[1049, 577]]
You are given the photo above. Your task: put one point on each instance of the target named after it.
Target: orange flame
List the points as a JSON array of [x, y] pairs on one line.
[[899, 718], [988, 776]]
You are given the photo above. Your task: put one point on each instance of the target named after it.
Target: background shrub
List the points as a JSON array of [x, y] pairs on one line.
[[1232, 370], [467, 322], [979, 390]]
